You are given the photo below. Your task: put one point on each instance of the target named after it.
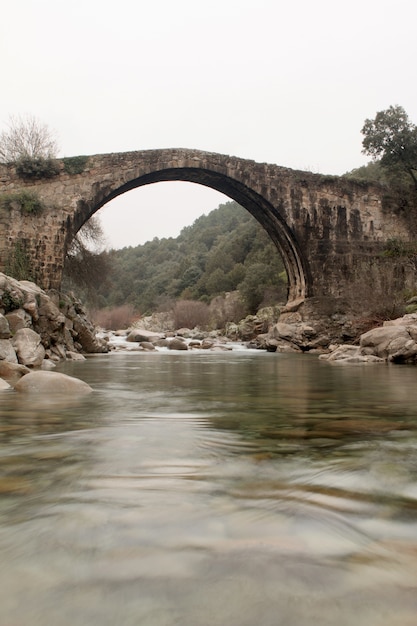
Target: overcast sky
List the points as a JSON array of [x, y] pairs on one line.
[[287, 82]]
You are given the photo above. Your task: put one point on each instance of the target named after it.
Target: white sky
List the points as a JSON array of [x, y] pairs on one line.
[[287, 82]]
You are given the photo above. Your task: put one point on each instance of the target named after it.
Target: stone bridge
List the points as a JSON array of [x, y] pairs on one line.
[[330, 231]]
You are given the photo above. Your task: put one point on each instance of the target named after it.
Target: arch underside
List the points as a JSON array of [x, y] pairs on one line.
[[299, 281]]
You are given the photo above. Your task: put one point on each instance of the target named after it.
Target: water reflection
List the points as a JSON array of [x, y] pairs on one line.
[[212, 489]]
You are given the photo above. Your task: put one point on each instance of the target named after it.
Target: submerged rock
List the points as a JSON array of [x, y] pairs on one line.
[[347, 353]]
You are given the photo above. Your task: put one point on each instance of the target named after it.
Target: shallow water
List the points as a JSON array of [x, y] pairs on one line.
[[200, 489]]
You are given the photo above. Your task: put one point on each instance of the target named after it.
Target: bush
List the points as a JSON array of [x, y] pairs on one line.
[[190, 313], [116, 318], [18, 263], [28, 201], [10, 301], [75, 165], [35, 168]]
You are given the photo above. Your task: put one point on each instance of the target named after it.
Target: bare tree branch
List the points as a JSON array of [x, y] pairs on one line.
[[26, 137]]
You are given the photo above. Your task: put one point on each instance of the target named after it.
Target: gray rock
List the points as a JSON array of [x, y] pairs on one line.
[[50, 323], [42, 382], [86, 336], [140, 334], [4, 328], [18, 319], [346, 353], [7, 352], [147, 345], [393, 343], [4, 385], [74, 356], [48, 365], [177, 344], [12, 372], [162, 343], [28, 346]]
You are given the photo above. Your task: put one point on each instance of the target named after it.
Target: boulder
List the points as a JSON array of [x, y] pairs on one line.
[[49, 364], [4, 385], [347, 353], [18, 319], [50, 323], [147, 345], [162, 343], [7, 352], [177, 344], [4, 328], [393, 343], [140, 334], [12, 371], [43, 382], [86, 336], [74, 356], [28, 346]]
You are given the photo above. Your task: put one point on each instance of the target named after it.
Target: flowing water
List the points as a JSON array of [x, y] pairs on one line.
[[212, 489]]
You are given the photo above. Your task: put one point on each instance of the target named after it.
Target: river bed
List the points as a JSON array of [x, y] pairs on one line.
[[221, 489]]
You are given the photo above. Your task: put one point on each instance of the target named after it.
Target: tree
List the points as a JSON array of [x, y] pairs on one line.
[[392, 137], [26, 138], [86, 266]]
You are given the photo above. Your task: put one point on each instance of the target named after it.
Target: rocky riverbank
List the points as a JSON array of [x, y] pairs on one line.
[[39, 329], [336, 339]]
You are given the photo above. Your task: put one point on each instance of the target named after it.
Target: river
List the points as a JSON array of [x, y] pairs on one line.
[[212, 489]]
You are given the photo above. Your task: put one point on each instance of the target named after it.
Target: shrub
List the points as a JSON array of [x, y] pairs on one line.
[[75, 165], [36, 168], [29, 202], [10, 300], [190, 313], [115, 318], [18, 263]]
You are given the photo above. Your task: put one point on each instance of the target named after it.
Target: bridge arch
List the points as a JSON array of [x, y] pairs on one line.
[[295, 262], [328, 229]]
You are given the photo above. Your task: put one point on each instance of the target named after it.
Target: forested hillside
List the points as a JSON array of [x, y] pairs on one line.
[[223, 251]]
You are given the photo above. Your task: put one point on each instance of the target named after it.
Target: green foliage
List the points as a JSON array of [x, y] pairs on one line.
[[216, 254], [36, 168], [372, 172], [18, 263], [392, 138], [75, 165], [396, 248], [10, 301], [28, 201]]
